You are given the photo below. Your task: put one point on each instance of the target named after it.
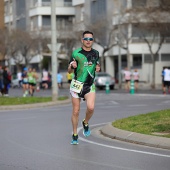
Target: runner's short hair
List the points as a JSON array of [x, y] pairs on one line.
[[87, 32]]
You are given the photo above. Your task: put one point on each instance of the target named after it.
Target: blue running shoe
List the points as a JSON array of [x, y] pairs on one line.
[[86, 131], [74, 139]]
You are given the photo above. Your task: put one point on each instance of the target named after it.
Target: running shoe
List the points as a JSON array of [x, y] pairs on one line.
[[86, 131], [74, 139]]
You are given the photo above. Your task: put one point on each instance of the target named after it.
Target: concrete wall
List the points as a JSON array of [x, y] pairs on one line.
[[110, 64]]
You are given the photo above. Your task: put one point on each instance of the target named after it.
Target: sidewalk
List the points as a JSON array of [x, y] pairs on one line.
[[127, 136]]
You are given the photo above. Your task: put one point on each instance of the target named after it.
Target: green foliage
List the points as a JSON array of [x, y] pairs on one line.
[[26, 100]]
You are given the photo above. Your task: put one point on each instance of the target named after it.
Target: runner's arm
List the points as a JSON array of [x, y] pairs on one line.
[[72, 65]]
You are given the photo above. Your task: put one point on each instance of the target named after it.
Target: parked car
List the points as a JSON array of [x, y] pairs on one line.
[[102, 78]]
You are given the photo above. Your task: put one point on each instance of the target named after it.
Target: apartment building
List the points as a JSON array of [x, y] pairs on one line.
[[2, 14], [35, 16], [2, 25], [138, 55]]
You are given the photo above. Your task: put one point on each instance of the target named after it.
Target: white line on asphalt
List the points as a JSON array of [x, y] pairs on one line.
[[152, 95], [103, 107], [114, 102], [119, 148], [136, 105]]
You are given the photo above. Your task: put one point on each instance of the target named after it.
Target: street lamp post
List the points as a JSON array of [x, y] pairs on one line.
[[120, 68], [119, 57], [54, 51]]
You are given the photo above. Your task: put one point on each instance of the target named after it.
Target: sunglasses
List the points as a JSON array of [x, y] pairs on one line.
[[88, 39]]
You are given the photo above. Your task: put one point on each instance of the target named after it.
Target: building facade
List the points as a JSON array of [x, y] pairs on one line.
[[110, 20], [2, 25], [34, 16], [2, 14], [134, 51]]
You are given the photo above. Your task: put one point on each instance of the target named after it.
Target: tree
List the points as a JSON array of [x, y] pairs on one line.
[[105, 34], [23, 47], [4, 44], [151, 25]]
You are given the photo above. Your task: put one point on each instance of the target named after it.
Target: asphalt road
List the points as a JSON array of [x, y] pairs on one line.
[[39, 139]]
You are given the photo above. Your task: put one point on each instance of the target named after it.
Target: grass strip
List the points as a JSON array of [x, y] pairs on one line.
[[26, 100], [154, 123]]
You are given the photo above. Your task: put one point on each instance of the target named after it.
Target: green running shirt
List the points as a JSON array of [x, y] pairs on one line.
[[30, 77], [86, 65]]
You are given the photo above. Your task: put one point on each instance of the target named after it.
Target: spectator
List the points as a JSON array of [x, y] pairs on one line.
[[127, 77], [19, 77], [166, 80], [136, 79], [1, 80], [59, 79], [162, 79], [45, 78], [6, 80], [49, 80], [69, 78]]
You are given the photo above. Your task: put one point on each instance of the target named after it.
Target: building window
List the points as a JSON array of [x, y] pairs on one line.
[[165, 57], [137, 60], [46, 2], [148, 58], [139, 3], [64, 22], [98, 10], [46, 20], [67, 2]]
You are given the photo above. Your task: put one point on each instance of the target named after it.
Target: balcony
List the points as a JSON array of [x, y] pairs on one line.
[[65, 4]]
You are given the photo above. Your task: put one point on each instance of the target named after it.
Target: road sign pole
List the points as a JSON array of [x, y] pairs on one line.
[[54, 51]]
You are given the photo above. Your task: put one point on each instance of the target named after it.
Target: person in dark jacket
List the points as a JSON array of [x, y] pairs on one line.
[[6, 80], [1, 80]]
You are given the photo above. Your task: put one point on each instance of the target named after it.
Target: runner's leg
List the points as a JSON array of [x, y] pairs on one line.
[[90, 100], [75, 113]]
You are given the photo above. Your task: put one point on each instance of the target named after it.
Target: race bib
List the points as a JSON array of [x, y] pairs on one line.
[[76, 86]]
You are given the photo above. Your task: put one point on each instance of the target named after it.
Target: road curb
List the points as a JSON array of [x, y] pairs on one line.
[[35, 105], [132, 137]]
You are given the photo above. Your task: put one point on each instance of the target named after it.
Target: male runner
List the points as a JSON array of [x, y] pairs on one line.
[[84, 62]]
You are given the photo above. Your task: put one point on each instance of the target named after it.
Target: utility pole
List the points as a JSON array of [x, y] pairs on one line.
[[54, 62], [120, 68], [119, 57]]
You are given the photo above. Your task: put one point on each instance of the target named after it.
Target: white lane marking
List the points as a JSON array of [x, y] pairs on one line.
[[136, 105], [103, 107], [151, 95], [164, 102], [114, 102], [119, 148], [167, 101]]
